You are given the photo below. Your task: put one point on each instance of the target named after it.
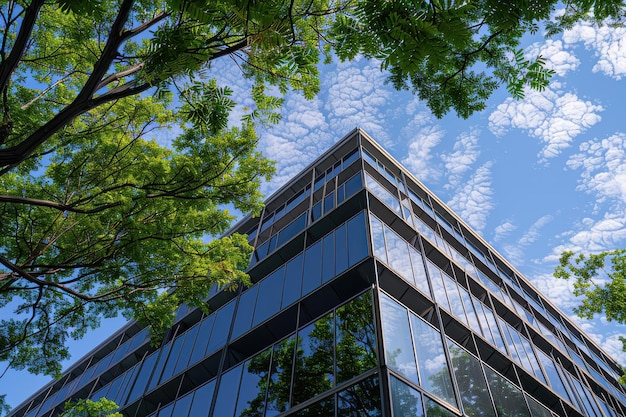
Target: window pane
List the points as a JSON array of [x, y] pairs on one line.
[[219, 334], [353, 185], [452, 290], [508, 398], [202, 400], [472, 385], [181, 406], [251, 401], [438, 286], [397, 338], [227, 393], [293, 280], [245, 311], [328, 264], [435, 410], [378, 239], [314, 362], [204, 334], [324, 408], [537, 409], [171, 360], [341, 249], [418, 271], [280, 377], [270, 291], [185, 351], [360, 400], [553, 376], [312, 268], [358, 248], [405, 401], [398, 254], [329, 202], [356, 339], [431, 360]]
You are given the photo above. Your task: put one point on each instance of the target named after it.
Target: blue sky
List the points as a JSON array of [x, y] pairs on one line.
[[534, 177]]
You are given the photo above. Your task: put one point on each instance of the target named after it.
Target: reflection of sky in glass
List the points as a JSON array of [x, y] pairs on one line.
[[378, 239], [419, 271], [398, 253], [438, 288], [382, 193], [397, 338]]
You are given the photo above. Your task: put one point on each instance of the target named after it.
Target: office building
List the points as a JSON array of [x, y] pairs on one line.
[[370, 298]]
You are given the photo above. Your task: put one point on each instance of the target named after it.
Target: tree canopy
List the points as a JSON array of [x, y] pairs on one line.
[[100, 214]]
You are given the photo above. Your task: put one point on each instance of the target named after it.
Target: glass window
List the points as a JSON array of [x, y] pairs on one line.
[[405, 401], [360, 400], [340, 193], [496, 336], [316, 211], [291, 230], [312, 278], [508, 398], [357, 235], [270, 291], [350, 158], [219, 334], [341, 249], [280, 377], [419, 272], [202, 400], [434, 409], [185, 351], [314, 362], [251, 400], [472, 319], [245, 311], [369, 158], [171, 360], [397, 338], [323, 408], [452, 290], [537, 409], [156, 375], [181, 406], [438, 286], [398, 255], [353, 185], [431, 360], [471, 382], [166, 411], [204, 335], [378, 239], [356, 338], [227, 393], [329, 202], [293, 280], [143, 376], [383, 194], [328, 264]]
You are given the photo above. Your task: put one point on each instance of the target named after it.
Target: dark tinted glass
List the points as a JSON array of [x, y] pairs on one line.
[[340, 194], [293, 280], [181, 406], [329, 202], [185, 351], [142, 379], [324, 408], [221, 328], [227, 391], [270, 292], [471, 382], [431, 360], [314, 362], [357, 238], [328, 266], [536, 409], [312, 268], [245, 311], [280, 377], [251, 401], [397, 338], [168, 369], [356, 339], [166, 411], [508, 398], [353, 185], [202, 398], [360, 400], [291, 230], [405, 401], [204, 335], [316, 212], [341, 249], [158, 368]]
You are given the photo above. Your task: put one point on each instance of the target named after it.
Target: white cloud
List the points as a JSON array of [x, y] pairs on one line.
[[552, 116], [357, 95], [473, 202], [556, 57], [558, 291], [533, 232], [421, 144], [607, 42], [503, 230], [464, 155], [603, 165]]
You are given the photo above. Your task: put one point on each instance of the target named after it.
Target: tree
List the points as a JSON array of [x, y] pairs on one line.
[[601, 280], [88, 408], [97, 218]]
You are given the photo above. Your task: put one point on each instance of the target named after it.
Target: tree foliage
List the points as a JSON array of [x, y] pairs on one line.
[[98, 217], [600, 279]]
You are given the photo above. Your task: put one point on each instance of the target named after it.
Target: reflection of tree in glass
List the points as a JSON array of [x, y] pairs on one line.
[[314, 365], [472, 385], [435, 410], [356, 339], [405, 400], [360, 400], [508, 398]]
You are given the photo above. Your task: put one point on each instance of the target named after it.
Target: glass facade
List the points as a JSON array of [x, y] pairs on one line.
[[369, 298]]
